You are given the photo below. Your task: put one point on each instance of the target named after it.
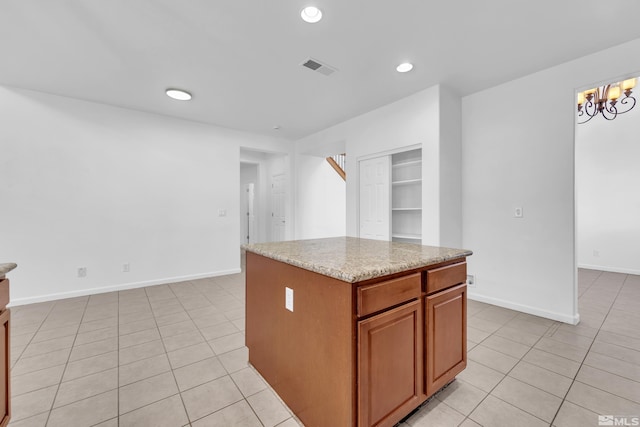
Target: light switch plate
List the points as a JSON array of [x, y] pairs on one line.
[[288, 299]]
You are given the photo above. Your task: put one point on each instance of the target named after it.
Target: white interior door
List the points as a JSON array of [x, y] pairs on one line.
[[375, 180], [247, 214], [278, 217]]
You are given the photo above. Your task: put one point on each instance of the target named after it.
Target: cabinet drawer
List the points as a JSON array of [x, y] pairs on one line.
[[445, 277], [385, 294], [4, 293]]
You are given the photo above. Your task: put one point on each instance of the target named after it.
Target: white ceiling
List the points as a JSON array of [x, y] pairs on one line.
[[241, 58]]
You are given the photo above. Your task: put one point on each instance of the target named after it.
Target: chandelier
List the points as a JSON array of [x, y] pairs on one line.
[[606, 101]]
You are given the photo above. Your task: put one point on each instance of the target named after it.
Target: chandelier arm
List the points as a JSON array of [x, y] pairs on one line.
[[629, 102]]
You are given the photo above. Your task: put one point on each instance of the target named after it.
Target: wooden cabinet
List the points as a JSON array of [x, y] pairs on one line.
[[355, 354], [446, 336], [5, 359], [390, 355]]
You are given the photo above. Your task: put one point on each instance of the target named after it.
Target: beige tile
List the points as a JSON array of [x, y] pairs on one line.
[[144, 368], [141, 351], [554, 363], [87, 386], [177, 328], [268, 407], [571, 415], [199, 373], [90, 365], [35, 421], [43, 361], [248, 381], [496, 314], [93, 349], [497, 413], [168, 412], [235, 360], [169, 319], [528, 398], [476, 335], [462, 396], [227, 343], [290, 422], [87, 412], [21, 384], [611, 383], [493, 359], [480, 376], [541, 378], [210, 397], [435, 413], [533, 328], [44, 347], [140, 337], [616, 351], [137, 326], [144, 392], [558, 348], [572, 339], [95, 325], [240, 323], [55, 333], [506, 346], [484, 325], [613, 365], [238, 414], [219, 330], [33, 403], [518, 335], [469, 423], [188, 355], [579, 329], [600, 401], [176, 342]]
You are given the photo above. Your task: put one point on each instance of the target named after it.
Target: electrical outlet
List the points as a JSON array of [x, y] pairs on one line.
[[518, 213], [596, 253], [82, 272], [471, 280], [125, 267], [222, 212], [288, 299]]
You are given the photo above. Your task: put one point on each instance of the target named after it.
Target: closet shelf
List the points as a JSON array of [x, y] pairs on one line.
[[407, 181]]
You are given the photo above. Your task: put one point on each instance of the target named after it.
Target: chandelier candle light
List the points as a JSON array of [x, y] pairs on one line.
[[605, 99]]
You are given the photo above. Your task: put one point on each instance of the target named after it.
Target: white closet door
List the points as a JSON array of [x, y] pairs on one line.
[[375, 179]]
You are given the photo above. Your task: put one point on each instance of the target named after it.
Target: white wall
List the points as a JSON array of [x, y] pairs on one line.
[[320, 199], [608, 193], [411, 121], [89, 185], [518, 150]]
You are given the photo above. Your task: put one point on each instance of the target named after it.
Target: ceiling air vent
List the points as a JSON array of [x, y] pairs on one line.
[[317, 66]]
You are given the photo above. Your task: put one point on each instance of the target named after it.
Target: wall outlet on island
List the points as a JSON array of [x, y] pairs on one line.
[[82, 271], [471, 280]]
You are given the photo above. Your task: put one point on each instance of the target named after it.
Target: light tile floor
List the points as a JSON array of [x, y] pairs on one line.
[[174, 355]]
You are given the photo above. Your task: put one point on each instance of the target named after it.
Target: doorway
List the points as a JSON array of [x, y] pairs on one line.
[[278, 211], [248, 203]]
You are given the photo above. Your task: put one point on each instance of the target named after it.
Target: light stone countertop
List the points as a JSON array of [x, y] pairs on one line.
[[6, 267], [352, 259]]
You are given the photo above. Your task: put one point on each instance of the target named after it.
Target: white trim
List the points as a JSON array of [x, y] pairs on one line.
[[609, 269], [114, 288], [560, 317]]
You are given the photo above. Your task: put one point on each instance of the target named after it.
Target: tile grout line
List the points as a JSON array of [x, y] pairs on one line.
[[588, 350]]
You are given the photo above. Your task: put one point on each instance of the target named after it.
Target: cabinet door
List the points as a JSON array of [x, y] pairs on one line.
[[5, 361], [390, 358], [446, 336]]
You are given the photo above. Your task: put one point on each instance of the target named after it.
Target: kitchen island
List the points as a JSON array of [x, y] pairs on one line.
[[5, 357], [355, 332]]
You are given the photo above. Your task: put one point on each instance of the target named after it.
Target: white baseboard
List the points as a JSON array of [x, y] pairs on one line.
[[121, 287], [560, 317], [609, 269]]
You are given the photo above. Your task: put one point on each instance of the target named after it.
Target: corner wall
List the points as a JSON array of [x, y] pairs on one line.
[[518, 151], [95, 186]]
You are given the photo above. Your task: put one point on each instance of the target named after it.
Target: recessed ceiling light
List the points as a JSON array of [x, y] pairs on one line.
[[178, 94], [311, 14], [404, 67]]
